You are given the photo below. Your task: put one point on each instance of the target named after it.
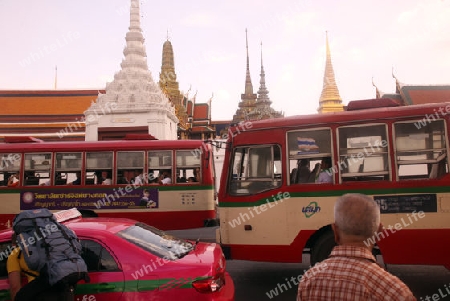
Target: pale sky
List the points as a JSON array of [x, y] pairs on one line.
[[85, 40]]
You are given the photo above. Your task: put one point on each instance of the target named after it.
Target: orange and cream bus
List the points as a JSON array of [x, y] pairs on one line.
[[167, 184], [271, 209]]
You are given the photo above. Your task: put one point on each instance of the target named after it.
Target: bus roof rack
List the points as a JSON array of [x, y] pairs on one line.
[[365, 104], [139, 137], [21, 139]]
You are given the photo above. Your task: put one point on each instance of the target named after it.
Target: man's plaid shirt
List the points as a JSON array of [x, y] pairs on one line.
[[351, 273]]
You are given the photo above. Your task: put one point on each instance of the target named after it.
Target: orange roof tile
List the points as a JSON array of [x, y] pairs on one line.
[[425, 94], [201, 111], [46, 102], [42, 125]]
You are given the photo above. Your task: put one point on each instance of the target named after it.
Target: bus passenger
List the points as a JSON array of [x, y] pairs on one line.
[[46, 183], [351, 269], [197, 175], [77, 181], [105, 179], [138, 180], [165, 178], [124, 178], [303, 172], [326, 173], [13, 180]]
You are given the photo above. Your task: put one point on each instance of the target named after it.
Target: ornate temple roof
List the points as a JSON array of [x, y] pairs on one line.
[[254, 106], [262, 109], [45, 102], [133, 88], [44, 113]]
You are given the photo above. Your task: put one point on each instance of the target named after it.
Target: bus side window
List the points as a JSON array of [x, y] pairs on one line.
[[306, 148], [67, 168], [421, 153], [99, 167], [158, 161], [10, 169], [130, 167], [38, 169], [188, 164], [363, 153], [255, 169]]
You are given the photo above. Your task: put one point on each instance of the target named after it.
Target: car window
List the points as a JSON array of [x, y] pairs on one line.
[[5, 250], [156, 242], [97, 258]]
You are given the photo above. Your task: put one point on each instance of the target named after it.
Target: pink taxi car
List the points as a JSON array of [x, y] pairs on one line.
[[128, 260]]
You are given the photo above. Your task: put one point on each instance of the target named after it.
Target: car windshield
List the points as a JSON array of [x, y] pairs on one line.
[[156, 241]]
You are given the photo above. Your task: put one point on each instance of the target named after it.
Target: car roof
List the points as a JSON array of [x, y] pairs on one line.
[[79, 225], [111, 225]]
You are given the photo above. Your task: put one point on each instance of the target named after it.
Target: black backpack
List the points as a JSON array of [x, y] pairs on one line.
[[49, 247]]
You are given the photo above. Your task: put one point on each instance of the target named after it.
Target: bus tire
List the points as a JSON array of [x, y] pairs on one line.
[[322, 247]]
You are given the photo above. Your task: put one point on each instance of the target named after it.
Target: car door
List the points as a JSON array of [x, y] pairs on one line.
[[106, 278]]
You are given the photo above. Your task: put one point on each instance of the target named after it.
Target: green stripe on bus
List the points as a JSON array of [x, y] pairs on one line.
[[336, 193]]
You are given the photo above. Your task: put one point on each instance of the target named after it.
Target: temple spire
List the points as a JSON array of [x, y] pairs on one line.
[[330, 100], [248, 80], [248, 98], [134, 52], [262, 108], [133, 94], [263, 93], [135, 18]]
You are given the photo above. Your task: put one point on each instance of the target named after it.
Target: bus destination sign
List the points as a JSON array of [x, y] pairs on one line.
[[407, 203]]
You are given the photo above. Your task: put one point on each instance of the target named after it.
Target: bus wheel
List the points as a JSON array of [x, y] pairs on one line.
[[322, 247]]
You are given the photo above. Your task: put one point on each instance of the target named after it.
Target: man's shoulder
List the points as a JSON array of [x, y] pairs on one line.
[[317, 269], [15, 253], [12, 263], [364, 276]]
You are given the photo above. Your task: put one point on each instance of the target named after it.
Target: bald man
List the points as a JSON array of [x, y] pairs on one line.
[[351, 271]]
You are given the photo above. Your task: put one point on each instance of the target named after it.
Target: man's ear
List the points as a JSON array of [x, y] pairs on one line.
[[336, 232], [380, 228]]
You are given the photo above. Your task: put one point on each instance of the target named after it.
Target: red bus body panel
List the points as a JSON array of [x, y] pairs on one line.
[[409, 246]]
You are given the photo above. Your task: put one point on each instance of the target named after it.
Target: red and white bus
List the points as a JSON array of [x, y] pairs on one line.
[[270, 211], [110, 178]]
